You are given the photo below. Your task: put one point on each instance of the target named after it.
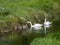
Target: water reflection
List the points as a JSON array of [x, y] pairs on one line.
[[47, 24]]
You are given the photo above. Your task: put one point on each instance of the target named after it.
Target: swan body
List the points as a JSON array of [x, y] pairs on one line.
[[47, 23], [37, 26]]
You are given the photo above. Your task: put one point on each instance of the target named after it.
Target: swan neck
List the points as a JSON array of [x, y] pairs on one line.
[[45, 19], [31, 24]]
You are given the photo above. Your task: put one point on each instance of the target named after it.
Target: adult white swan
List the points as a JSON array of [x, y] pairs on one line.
[[36, 26], [47, 24]]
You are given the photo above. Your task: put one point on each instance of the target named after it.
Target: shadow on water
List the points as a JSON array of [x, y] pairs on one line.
[[15, 38], [30, 37]]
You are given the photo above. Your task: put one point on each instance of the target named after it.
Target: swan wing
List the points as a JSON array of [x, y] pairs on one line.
[[37, 24], [47, 23]]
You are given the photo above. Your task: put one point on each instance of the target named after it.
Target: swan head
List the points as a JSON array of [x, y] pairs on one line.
[[28, 22]]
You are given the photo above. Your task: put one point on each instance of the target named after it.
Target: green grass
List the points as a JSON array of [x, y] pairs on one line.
[[50, 39], [45, 41], [27, 8]]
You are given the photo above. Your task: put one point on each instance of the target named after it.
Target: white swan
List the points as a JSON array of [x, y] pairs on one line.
[[47, 24], [35, 26]]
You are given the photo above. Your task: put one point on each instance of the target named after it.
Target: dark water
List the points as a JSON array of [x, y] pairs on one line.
[[26, 37]]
